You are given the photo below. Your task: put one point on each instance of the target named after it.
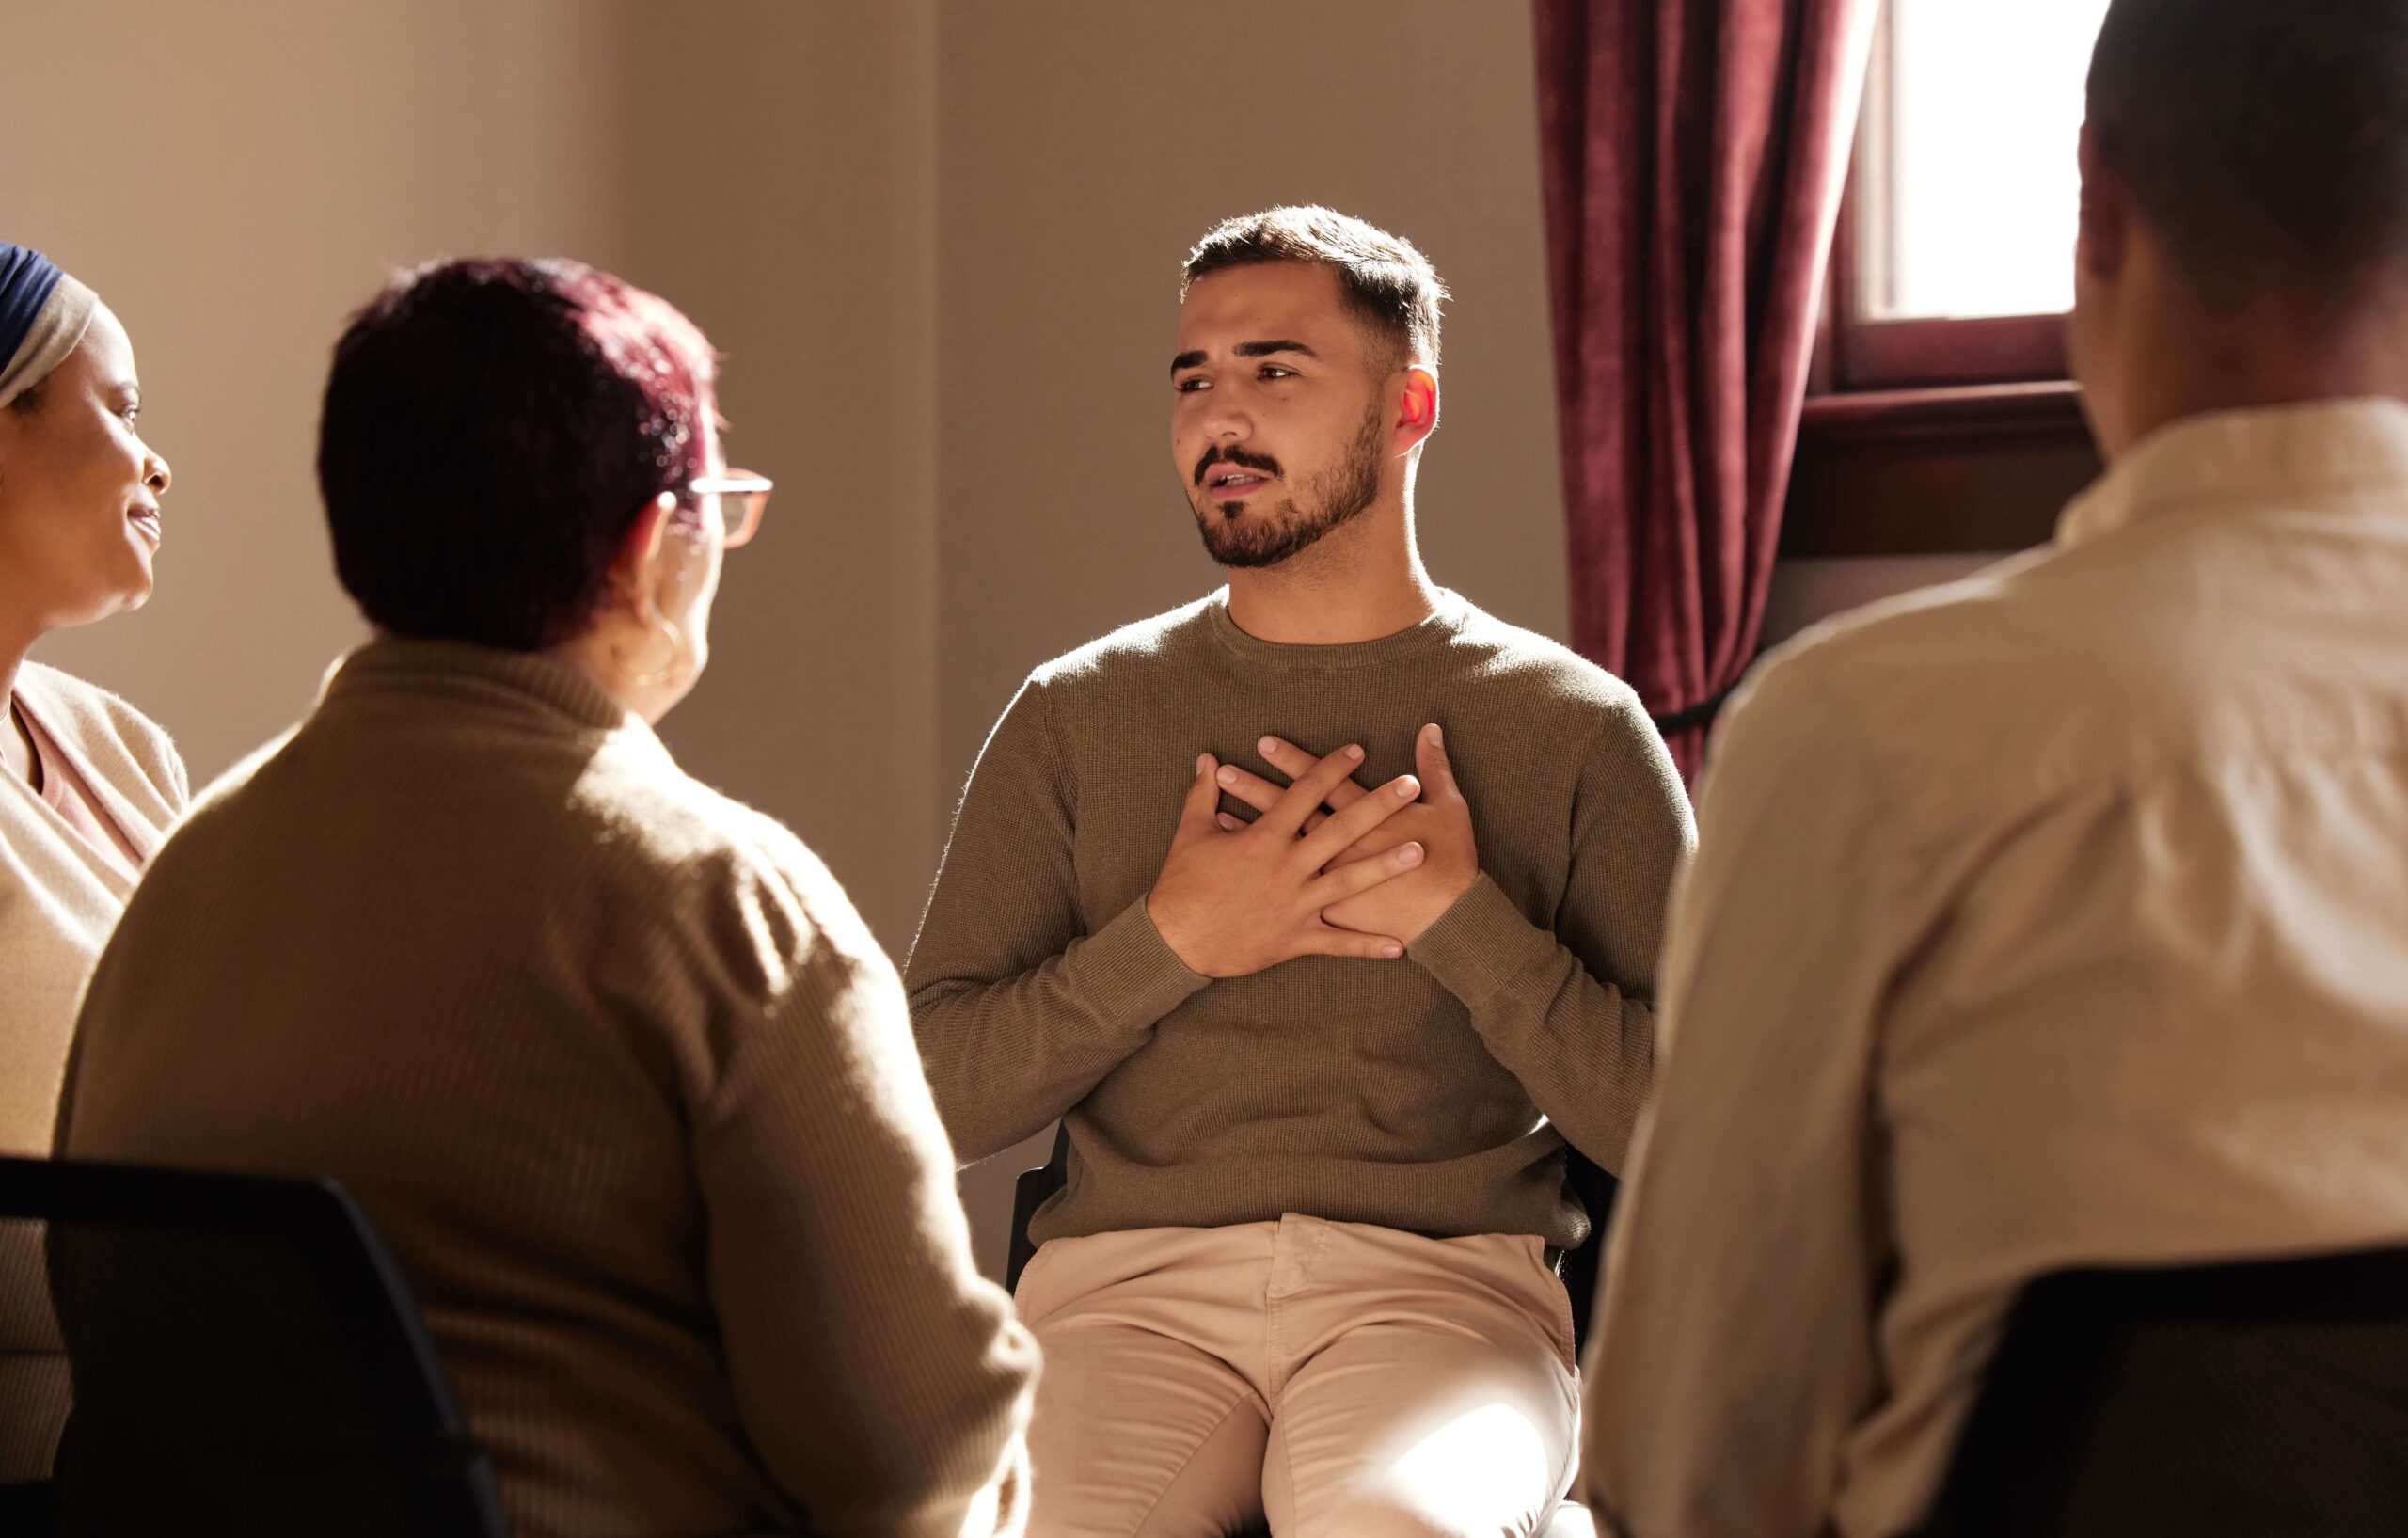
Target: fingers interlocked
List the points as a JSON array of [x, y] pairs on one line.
[[1232, 901]]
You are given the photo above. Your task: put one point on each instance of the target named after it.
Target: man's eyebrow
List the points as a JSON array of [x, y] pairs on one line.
[[1245, 349]]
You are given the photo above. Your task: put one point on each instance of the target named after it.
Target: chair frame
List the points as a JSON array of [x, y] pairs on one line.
[[2027, 1448], [402, 1377]]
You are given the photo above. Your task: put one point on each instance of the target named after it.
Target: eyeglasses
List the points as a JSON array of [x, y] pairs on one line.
[[734, 502]]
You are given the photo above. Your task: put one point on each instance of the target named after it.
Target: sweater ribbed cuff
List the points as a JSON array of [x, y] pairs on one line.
[[1129, 963], [1478, 946]]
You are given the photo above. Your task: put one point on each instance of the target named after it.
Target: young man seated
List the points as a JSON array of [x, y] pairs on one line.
[[2056, 919], [1325, 910]]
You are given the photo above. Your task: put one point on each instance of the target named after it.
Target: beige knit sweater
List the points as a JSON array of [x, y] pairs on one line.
[[617, 1068], [1432, 1093], [59, 898]]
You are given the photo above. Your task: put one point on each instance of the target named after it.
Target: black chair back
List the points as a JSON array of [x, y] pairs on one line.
[[2264, 1398], [248, 1358]]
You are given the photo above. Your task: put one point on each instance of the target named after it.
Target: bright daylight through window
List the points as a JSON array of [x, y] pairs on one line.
[[1972, 118]]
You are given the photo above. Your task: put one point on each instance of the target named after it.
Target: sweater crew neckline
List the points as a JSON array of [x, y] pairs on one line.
[[1444, 622], [400, 659]]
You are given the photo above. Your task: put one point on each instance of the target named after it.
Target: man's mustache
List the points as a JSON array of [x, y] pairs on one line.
[[1239, 457]]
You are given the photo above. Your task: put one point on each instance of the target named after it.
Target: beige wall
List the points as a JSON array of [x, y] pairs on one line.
[[786, 195], [235, 178], [938, 245]]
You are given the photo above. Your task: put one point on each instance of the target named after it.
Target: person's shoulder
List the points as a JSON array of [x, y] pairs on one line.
[[632, 796], [734, 877], [1542, 671], [771, 853], [99, 721], [2001, 687], [231, 786], [1164, 640], [1875, 664], [1944, 623]]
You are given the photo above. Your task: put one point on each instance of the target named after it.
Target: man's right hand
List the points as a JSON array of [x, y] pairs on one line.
[[1229, 904]]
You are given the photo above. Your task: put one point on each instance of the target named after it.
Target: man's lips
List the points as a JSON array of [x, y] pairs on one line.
[[1230, 483]]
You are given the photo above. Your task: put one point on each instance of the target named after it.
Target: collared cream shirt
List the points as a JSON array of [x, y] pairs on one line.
[[2054, 917]]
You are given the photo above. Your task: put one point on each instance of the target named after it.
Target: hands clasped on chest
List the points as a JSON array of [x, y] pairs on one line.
[[1329, 868]]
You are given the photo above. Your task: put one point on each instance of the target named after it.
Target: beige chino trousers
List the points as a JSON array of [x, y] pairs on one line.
[[1339, 1378]]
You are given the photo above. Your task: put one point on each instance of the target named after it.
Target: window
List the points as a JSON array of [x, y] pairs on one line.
[[1941, 421], [1954, 265]]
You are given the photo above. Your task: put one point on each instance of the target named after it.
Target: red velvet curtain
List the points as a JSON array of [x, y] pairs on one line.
[[1694, 153]]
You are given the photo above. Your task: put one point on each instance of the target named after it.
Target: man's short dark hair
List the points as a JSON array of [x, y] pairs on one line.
[[492, 429], [1391, 287], [2264, 141]]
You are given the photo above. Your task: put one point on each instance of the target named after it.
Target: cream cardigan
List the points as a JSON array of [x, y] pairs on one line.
[[59, 898]]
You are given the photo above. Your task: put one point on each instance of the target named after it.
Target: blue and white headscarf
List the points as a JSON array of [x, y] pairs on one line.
[[42, 316]]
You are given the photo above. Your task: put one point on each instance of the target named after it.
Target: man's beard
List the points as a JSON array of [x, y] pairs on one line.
[[1342, 495]]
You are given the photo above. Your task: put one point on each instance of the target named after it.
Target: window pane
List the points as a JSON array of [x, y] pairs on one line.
[[1971, 201]]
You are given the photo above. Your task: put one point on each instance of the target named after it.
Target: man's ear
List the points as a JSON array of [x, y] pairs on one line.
[[1417, 412], [2104, 235], [635, 571]]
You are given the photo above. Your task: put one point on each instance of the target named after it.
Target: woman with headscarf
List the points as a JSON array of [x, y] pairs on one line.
[[92, 784]]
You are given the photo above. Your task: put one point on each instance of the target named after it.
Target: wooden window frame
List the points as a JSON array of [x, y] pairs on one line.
[[1926, 437], [1867, 353]]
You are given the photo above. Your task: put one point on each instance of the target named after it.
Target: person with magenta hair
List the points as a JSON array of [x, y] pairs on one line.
[[610, 1058], [92, 784]]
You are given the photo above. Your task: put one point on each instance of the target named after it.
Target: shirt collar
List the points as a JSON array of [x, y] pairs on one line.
[[2320, 451]]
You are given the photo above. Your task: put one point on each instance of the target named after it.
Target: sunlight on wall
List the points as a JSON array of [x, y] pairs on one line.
[[1987, 110]]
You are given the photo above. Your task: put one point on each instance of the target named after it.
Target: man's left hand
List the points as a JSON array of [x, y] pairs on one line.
[[1440, 822]]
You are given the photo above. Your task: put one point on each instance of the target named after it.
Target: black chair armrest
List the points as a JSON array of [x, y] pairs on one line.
[[1029, 1193], [1596, 1190]]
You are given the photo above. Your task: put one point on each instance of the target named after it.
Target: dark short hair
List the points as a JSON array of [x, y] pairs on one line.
[[2265, 141], [1391, 287], [492, 430]]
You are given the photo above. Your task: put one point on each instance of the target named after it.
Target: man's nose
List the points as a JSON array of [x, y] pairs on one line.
[[1225, 420]]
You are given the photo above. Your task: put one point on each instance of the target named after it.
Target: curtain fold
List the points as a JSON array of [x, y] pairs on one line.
[[1693, 153]]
